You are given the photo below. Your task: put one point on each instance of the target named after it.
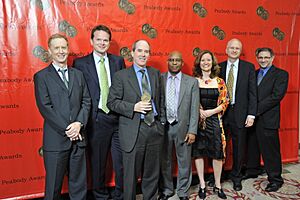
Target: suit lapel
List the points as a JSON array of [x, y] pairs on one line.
[[152, 81], [112, 65], [183, 85], [239, 76], [55, 76], [267, 76], [91, 68], [71, 79], [133, 81]]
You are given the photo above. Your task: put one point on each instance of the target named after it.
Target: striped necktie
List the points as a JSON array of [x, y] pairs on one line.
[[149, 117], [63, 73]]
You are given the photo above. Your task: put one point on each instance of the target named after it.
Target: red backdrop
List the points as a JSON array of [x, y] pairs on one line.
[[168, 25]]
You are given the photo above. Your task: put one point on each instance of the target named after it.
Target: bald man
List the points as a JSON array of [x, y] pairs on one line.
[[182, 113], [240, 79]]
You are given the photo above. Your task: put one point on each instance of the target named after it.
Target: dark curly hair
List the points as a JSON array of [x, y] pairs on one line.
[[215, 70]]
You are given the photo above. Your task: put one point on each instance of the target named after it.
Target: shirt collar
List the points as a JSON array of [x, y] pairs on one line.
[[137, 69], [265, 70], [58, 67], [97, 57], [178, 75], [236, 63]]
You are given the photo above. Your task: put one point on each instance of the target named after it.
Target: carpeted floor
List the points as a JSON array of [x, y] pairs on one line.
[[253, 189]]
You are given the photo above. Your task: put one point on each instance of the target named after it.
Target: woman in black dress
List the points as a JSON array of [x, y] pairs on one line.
[[210, 141]]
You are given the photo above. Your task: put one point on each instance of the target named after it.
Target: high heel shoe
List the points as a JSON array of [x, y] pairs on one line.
[[202, 193], [220, 192]]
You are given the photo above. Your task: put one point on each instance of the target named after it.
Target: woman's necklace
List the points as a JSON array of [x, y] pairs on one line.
[[207, 81]]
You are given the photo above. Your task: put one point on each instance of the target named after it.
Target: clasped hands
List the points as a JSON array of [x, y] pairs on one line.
[[73, 131]]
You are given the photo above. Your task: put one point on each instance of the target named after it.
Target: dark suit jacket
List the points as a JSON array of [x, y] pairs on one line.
[[124, 94], [188, 105], [245, 92], [270, 91], [86, 64], [60, 106]]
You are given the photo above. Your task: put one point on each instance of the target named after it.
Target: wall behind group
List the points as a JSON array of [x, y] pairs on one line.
[[185, 25]]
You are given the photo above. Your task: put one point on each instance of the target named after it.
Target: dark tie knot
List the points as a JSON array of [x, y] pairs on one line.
[[63, 71], [232, 65], [142, 71]]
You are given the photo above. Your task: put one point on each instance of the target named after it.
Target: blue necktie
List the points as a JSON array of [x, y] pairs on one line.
[[260, 76]]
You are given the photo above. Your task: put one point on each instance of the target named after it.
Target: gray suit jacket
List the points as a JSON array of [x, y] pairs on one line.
[[188, 105], [60, 106], [124, 94]]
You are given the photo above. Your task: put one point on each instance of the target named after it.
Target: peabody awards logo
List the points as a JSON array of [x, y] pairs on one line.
[[148, 30], [41, 53], [278, 34], [219, 33], [41, 4], [128, 7], [262, 13], [67, 28], [199, 10], [125, 53], [196, 51]]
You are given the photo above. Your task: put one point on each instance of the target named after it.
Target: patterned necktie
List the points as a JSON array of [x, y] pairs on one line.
[[149, 117], [63, 73], [230, 82], [103, 85], [171, 105], [260, 76]]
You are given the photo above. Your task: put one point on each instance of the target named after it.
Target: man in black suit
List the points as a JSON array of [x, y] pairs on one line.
[[135, 94], [240, 114], [272, 84], [63, 100], [98, 69]]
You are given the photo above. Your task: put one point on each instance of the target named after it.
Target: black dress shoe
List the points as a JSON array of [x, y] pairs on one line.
[[272, 187], [247, 176], [220, 192], [202, 193], [183, 198], [237, 186], [164, 197]]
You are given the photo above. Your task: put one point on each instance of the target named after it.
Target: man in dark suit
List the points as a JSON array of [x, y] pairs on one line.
[[182, 114], [135, 94], [63, 100], [98, 69], [272, 84], [239, 76]]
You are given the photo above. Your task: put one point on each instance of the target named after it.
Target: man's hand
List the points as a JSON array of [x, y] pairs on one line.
[[142, 107], [249, 121], [190, 138], [73, 131]]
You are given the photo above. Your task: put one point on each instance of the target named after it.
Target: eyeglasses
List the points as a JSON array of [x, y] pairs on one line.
[[174, 60], [263, 58]]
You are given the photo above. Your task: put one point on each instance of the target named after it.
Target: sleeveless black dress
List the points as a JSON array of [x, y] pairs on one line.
[[209, 141]]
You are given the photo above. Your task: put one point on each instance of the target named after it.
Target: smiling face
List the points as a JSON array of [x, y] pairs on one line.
[[206, 62], [100, 42], [59, 50], [175, 62], [141, 53], [234, 49], [265, 59]]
